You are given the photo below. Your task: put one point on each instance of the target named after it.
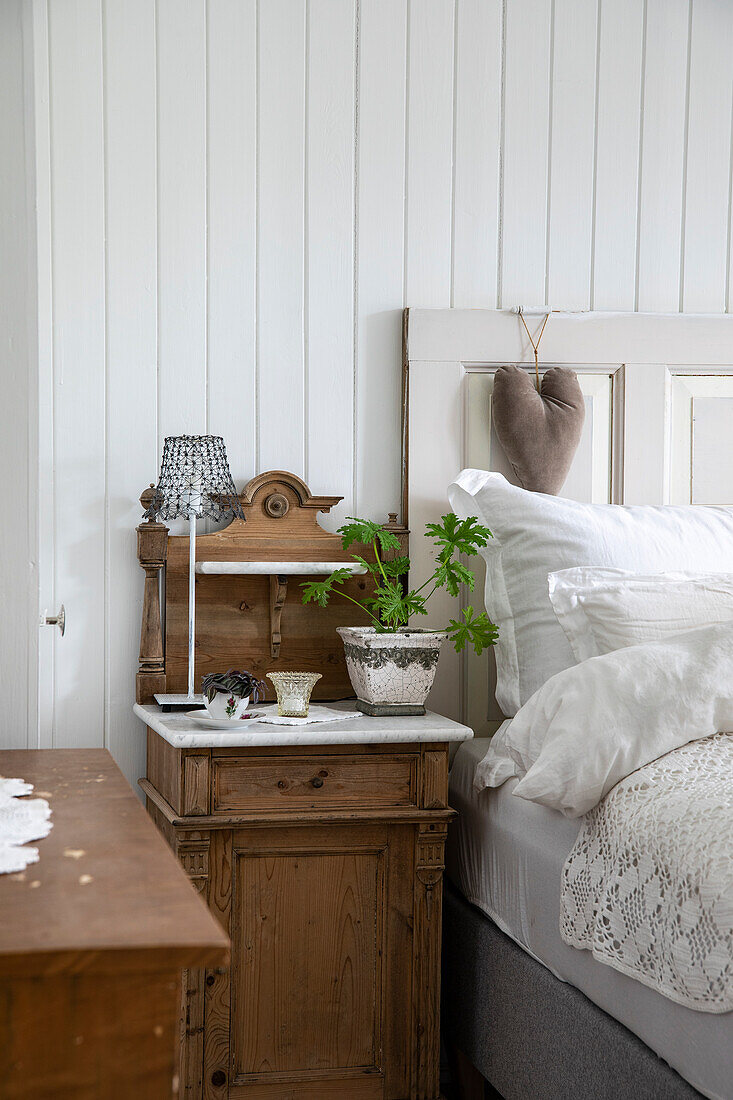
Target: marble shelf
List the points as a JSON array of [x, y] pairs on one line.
[[184, 733], [277, 568]]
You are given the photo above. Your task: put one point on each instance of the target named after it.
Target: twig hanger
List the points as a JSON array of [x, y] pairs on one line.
[[535, 346]]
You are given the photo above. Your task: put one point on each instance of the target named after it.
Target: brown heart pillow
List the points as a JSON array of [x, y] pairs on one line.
[[539, 432]]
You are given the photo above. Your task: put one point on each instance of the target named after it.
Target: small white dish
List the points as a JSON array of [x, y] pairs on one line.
[[204, 719]]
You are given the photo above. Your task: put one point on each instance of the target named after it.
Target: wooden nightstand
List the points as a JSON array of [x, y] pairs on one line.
[[320, 850]]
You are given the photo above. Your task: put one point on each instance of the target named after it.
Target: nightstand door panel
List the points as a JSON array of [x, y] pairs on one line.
[[319, 919], [310, 925]]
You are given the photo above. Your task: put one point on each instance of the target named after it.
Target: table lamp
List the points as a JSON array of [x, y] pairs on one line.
[[194, 481]]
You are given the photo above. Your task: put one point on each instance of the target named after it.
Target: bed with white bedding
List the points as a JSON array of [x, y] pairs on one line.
[[506, 855], [569, 581]]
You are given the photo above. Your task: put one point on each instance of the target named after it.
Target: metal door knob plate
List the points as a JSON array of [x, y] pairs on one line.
[[58, 620]]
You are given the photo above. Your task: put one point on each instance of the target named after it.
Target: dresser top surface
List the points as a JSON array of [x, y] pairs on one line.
[[106, 894], [183, 733]]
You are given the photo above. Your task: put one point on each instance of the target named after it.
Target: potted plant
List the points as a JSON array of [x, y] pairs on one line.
[[391, 665], [228, 694]]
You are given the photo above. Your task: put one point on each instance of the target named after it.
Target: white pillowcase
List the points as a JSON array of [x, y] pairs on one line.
[[536, 534], [595, 723], [605, 609]]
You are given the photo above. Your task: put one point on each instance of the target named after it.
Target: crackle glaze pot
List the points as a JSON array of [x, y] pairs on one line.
[[391, 673]]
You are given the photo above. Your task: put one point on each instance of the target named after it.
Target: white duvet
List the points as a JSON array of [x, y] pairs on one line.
[[648, 885]]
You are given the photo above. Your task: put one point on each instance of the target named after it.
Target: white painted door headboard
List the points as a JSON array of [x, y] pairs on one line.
[[658, 430]]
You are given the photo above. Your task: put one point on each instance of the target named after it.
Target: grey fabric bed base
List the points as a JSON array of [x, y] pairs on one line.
[[532, 1036]]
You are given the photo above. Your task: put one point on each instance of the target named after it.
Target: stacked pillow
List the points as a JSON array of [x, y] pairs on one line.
[[602, 610], [537, 535]]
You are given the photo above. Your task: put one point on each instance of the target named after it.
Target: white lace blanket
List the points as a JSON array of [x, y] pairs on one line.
[[21, 820], [648, 885]]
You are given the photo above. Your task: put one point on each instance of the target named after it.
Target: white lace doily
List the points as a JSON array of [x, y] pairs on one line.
[[21, 820], [315, 714], [648, 885]]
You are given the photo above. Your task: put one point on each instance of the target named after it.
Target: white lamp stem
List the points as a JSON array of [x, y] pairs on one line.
[[191, 597]]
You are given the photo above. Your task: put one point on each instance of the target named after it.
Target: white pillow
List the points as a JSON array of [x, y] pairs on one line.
[[595, 723], [605, 609], [536, 534]]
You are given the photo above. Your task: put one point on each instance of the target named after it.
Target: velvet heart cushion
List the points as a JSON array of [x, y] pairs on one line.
[[539, 432]]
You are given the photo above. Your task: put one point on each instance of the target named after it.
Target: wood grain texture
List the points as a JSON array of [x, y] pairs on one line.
[[191, 1034], [86, 1036], [434, 779], [313, 782], [430, 841], [217, 1053], [308, 993], [335, 921], [106, 895], [235, 623], [196, 783], [152, 550], [165, 770]]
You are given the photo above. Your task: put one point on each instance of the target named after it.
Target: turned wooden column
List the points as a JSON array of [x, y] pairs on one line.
[[152, 549]]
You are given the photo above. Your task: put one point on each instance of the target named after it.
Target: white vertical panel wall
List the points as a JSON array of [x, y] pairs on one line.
[[241, 196]]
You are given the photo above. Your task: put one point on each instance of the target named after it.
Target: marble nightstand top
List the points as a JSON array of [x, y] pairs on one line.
[[184, 733]]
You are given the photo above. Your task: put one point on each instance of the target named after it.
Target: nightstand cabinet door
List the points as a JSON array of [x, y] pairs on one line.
[[324, 866], [316, 916]]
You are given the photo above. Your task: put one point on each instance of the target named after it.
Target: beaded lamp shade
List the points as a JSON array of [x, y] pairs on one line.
[[195, 480]]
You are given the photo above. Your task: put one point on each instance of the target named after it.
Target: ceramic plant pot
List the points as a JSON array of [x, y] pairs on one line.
[[224, 705], [391, 673]]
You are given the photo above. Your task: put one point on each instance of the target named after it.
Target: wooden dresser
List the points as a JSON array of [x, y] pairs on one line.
[[320, 850], [92, 941]]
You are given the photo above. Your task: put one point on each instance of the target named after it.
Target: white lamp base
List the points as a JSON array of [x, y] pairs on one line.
[[179, 702]]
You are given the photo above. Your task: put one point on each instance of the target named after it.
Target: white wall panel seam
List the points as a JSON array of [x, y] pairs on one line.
[[453, 155], [158, 441], [105, 244], [306, 233], [408, 29], [726, 296], [207, 222], [592, 270], [44, 689], [502, 139], [684, 158], [355, 364], [548, 186], [257, 453], [640, 170]]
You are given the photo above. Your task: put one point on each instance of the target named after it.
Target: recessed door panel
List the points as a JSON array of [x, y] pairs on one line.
[[306, 994]]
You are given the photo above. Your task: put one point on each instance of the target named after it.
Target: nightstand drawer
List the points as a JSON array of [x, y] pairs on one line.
[[281, 783]]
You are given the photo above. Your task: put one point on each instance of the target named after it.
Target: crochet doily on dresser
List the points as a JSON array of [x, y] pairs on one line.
[[21, 819], [648, 885]]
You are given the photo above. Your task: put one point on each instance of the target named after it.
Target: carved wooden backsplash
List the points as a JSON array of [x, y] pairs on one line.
[[257, 622]]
